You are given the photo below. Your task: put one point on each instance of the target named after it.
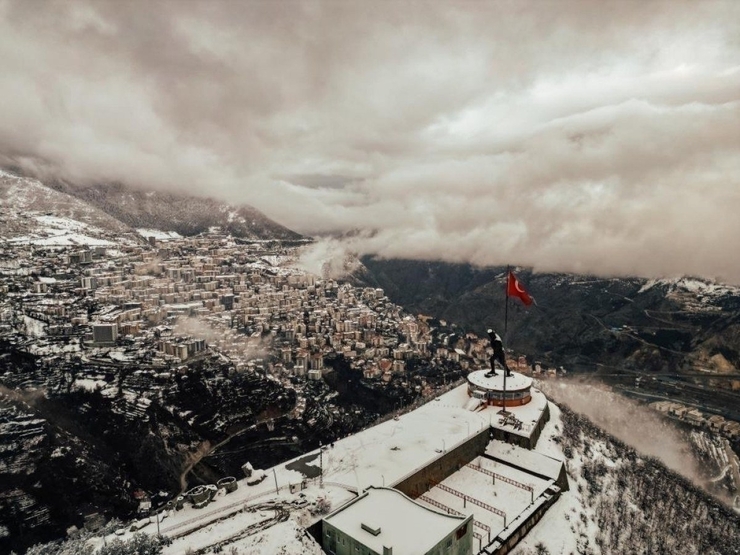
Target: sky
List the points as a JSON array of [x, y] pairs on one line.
[[577, 136]]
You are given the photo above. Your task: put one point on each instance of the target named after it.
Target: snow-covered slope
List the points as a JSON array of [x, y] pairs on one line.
[[693, 293], [33, 213], [187, 215], [622, 502], [65, 215]]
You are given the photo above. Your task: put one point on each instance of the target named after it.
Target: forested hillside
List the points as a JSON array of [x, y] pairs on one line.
[[622, 502]]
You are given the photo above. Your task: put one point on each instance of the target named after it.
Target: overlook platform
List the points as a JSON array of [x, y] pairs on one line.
[[494, 390]]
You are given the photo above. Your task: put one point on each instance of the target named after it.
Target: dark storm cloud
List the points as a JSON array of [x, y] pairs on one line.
[[576, 136]]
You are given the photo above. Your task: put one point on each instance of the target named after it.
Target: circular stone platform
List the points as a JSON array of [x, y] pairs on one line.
[[491, 389]]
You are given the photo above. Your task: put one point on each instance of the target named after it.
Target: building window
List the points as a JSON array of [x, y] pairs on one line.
[[461, 532]]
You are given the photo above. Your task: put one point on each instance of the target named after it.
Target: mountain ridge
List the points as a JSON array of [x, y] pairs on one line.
[[21, 197], [120, 209], [681, 315], [185, 214]]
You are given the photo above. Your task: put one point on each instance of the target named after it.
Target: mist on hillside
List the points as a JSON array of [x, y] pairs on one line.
[[633, 423]]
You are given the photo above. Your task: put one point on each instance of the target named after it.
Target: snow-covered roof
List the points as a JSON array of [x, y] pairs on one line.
[[515, 382], [525, 458], [403, 524], [388, 452], [529, 415]]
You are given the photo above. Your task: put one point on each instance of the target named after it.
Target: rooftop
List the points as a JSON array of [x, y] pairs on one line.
[[529, 415], [533, 461], [404, 525], [514, 382]]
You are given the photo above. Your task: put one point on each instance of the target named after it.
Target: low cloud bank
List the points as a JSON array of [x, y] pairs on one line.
[[571, 136]]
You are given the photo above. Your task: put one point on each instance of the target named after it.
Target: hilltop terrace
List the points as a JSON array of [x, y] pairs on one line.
[[440, 454]]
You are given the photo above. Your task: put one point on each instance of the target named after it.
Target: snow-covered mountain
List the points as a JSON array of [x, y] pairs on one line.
[[32, 213], [64, 215], [184, 214], [579, 321]]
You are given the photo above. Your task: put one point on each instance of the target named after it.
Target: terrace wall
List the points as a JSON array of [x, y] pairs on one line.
[[425, 478], [526, 441], [503, 545]]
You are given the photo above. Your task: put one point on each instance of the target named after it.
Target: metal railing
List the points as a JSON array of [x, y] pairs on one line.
[[452, 511], [504, 479], [474, 501]]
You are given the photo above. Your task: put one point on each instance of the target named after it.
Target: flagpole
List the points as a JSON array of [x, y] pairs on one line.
[[505, 372], [506, 294], [506, 325]]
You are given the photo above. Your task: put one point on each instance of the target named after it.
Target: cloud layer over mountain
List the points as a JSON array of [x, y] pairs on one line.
[[576, 136]]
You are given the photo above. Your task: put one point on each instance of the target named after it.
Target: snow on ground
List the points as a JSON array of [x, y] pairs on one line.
[[277, 259], [213, 533], [55, 231], [89, 384], [253, 518], [562, 526], [119, 355], [34, 327], [698, 286], [44, 348], [286, 538], [57, 223], [190, 519], [158, 234], [505, 497], [70, 240], [701, 288]]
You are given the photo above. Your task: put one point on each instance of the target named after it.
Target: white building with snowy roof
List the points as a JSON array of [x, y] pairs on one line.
[[384, 521]]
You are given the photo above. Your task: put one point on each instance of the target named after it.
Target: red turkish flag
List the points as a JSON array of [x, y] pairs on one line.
[[515, 289]]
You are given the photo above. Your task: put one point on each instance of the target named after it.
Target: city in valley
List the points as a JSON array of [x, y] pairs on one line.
[[137, 366]]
